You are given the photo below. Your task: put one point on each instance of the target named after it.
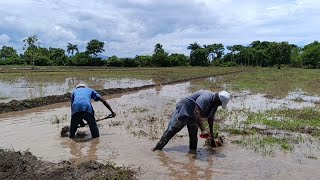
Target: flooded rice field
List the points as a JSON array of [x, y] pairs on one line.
[[22, 88], [143, 116]]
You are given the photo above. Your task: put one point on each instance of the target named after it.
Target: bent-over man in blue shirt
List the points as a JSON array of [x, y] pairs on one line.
[[81, 109], [189, 111]]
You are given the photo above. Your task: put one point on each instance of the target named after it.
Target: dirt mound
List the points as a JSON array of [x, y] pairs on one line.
[[24, 165]]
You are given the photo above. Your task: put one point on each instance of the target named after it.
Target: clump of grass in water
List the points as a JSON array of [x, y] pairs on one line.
[[305, 120], [57, 120], [139, 109], [238, 131], [266, 145]]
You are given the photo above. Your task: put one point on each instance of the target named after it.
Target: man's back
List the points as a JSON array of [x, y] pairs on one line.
[[81, 100]]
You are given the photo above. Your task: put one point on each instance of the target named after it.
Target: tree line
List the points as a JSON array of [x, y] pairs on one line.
[[258, 53]]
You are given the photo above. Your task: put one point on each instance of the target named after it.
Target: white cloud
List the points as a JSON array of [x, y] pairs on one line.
[[4, 39], [133, 27]]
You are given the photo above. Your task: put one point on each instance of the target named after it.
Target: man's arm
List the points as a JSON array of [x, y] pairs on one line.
[[72, 99], [197, 112], [210, 122], [108, 106]]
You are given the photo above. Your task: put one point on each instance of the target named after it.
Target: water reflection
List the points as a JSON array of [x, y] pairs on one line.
[[82, 150], [187, 166]]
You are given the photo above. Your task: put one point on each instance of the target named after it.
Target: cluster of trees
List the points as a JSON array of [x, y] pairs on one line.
[[256, 54], [40, 56]]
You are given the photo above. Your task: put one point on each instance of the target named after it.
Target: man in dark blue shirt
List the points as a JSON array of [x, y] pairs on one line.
[[81, 109], [189, 111]]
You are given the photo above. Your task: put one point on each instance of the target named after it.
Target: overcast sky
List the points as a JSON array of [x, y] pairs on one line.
[[133, 27]]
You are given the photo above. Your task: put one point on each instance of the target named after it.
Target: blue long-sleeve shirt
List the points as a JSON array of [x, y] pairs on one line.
[[81, 100]]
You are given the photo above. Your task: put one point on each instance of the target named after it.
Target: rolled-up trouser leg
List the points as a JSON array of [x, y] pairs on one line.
[[193, 138], [167, 135]]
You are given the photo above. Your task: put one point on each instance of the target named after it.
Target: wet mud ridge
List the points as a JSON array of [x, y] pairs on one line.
[[16, 105], [24, 165]]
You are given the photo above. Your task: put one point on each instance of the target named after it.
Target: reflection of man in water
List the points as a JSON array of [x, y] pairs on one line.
[[180, 169], [189, 111], [81, 108], [78, 155]]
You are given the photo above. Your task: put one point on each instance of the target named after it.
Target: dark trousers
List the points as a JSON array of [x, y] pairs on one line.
[[77, 118], [174, 127]]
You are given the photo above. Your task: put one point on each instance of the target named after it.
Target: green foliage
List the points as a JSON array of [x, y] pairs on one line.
[[94, 47], [58, 56], [217, 49], [129, 62], [39, 56], [193, 47], [8, 55], [178, 60], [71, 48], [258, 53], [144, 61], [84, 59], [198, 57], [296, 57], [114, 61], [31, 46], [160, 57], [311, 55], [279, 53]]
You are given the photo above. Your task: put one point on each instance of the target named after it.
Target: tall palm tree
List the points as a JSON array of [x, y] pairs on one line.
[[71, 48], [157, 48], [194, 46]]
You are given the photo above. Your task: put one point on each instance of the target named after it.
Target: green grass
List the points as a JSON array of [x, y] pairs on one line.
[[274, 82], [265, 145], [305, 120], [157, 74]]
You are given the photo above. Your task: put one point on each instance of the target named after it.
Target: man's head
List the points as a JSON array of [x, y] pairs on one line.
[[224, 97], [80, 85]]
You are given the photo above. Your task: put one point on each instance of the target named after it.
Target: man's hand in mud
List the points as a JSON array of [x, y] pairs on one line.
[[205, 134]]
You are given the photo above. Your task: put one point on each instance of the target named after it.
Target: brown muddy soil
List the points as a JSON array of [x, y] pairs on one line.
[[24, 165]]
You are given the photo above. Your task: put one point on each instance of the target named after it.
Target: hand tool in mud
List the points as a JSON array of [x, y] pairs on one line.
[[64, 131]]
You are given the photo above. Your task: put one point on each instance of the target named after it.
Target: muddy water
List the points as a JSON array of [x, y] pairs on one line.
[[24, 89], [128, 139]]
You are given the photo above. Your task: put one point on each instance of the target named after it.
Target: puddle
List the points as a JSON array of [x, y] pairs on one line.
[[24, 89], [259, 102], [141, 119]]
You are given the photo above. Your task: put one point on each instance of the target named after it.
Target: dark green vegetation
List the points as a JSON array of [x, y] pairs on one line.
[[256, 54], [24, 165]]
